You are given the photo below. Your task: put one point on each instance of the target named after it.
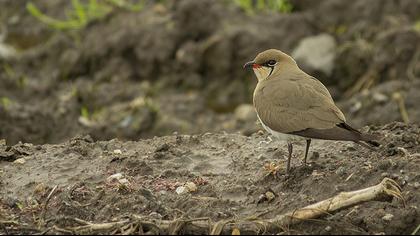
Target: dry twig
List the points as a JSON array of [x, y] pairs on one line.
[[401, 105]]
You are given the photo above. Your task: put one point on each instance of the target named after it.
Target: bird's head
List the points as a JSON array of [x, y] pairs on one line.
[[269, 62]]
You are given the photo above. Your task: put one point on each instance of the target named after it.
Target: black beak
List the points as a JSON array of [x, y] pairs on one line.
[[249, 64]]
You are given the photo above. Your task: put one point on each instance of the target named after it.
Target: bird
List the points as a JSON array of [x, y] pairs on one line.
[[293, 106]]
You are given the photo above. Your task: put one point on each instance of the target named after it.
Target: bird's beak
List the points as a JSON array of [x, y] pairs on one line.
[[251, 64]]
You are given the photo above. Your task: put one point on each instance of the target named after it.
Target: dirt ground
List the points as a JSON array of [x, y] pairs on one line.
[[229, 175], [107, 123]]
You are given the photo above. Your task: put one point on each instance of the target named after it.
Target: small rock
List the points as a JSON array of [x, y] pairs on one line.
[[7, 51], [379, 97], [29, 145], [40, 188], [88, 139], [86, 122], [385, 174], [340, 187], [351, 148], [262, 198], [181, 190], [392, 151], [341, 171], [261, 157], [117, 151], [316, 53], [416, 185], [396, 177], [402, 151], [315, 155], [192, 187], [155, 215], [245, 112], [328, 228], [355, 107], [12, 202], [162, 148], [388, 217], [147, 194], [116, 176], [20, 161], [270, 196]]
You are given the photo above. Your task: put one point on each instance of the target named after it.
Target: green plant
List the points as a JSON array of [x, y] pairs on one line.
[[84, 112], [5, 102], [83, 12], [417, 26], [251, 6], [20, 80]]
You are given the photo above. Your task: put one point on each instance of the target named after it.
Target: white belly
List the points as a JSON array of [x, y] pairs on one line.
[[281, 136]]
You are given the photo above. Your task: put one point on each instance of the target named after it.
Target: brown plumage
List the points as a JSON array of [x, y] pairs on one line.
[[293, 105]]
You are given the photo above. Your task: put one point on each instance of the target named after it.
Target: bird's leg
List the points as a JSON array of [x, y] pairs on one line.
[[308, 143], [290, 148]]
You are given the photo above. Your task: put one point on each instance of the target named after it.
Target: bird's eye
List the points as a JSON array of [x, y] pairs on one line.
[[271, 63]]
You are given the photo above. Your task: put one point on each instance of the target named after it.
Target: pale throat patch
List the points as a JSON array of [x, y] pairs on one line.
[[262, 72]]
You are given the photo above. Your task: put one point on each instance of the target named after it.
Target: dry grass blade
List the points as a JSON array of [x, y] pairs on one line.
[[91, 227], [401, 105], [416, 230], [218, 227], [176, 226]]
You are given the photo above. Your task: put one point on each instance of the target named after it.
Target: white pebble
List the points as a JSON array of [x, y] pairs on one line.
[[118, 151], [20, 161], [388, 217], [181, 190], [116, 176]]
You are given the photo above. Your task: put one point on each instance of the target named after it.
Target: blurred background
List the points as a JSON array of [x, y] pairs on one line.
[[137, 69]]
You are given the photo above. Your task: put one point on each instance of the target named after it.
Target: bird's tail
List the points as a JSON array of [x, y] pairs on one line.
[[366, 140]]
